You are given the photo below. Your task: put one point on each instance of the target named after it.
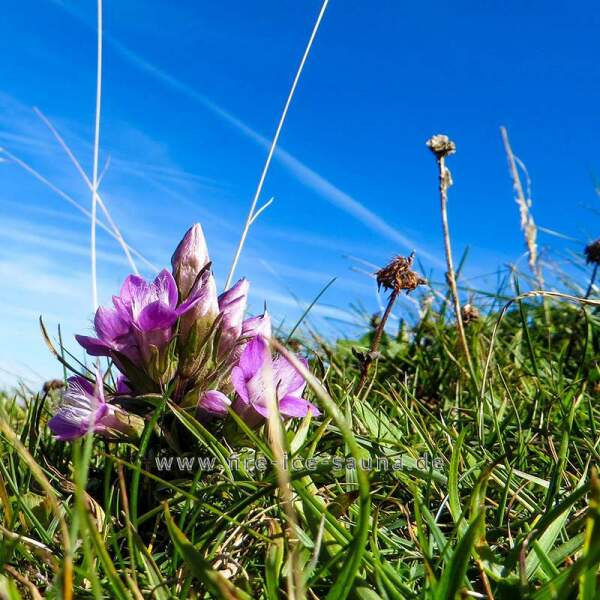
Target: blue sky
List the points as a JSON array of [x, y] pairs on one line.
[[192, 90]]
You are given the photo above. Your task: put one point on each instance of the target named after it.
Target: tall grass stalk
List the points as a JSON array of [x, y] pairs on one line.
[[279, 446], [38, 473], [95, 159], [528, 225], [70, 200], [441, 146], [86, 179], [253, 213]]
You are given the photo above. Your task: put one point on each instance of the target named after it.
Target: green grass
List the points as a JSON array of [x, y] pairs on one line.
[[497, 496]]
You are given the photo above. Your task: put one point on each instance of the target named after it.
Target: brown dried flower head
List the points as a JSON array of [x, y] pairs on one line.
[[398, 275], [441, 145], [470, 313], [53, 384], [592, 252]]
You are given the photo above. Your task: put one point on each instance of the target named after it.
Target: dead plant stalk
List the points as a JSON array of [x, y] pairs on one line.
[[395, 277], [253, 212], [442, 146], [376, 340], [95, 162], [528, 225]]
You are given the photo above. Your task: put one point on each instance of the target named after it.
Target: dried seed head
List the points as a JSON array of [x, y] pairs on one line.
[[398, 275], [469, 313], [592, 252], [441, 145], [53, 384]]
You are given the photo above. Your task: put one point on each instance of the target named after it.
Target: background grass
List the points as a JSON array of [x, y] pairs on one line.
[[497, 496]]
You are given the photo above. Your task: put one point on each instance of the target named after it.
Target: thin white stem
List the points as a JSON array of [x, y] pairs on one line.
[[90, 185], [95, 163], [104, 171], [29, 169], [263, 175], [261, 210]]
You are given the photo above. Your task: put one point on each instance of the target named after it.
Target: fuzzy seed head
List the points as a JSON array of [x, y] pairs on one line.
[[441, 145], [469, 313], [398, 275], [53, 384]]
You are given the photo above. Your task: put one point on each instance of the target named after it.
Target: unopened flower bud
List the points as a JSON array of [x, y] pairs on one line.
[[232, 306], [189, 258]]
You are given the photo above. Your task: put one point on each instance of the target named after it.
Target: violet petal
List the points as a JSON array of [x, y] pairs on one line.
[[93, 346], [156, 315], [166, 289], [109, 324], [287, 378], [292, 406], [214, 403]]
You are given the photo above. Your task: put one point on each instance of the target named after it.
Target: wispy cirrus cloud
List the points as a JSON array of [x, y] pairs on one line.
[[305, 174], [302, 172]]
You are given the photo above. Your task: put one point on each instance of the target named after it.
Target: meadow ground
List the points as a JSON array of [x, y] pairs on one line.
[[441, 476]]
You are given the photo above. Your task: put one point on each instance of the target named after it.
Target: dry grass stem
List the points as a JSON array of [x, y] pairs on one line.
[[528, 225], [95, 163], [253, 213], [32, 590], [55, 505], [70, 200], [295, 580], [442, 146], [86, 179]]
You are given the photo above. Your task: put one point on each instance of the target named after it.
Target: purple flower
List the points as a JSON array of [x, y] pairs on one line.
[[232, 306], [84, 409], [212, 404], [256, 376], [114, 334], [252, 327], [123, 387], [259, 325], [189, 258], [143, 317]]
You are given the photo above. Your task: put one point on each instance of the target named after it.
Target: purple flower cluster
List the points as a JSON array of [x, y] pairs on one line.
[[255, 378], [84, 409], [176, 329], [141, 322]]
